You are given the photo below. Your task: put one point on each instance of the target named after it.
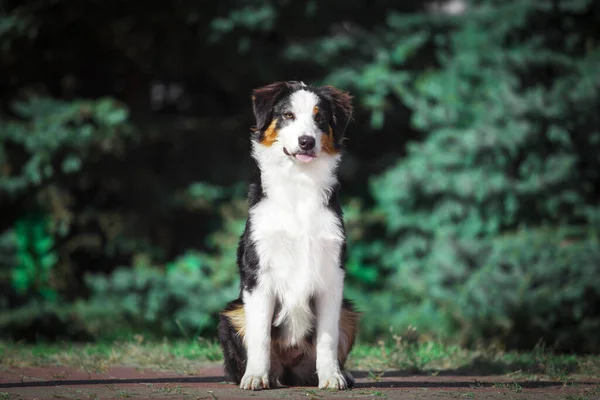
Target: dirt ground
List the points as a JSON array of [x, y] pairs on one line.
[[208, 383]]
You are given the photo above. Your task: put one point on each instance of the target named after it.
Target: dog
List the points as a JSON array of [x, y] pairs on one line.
[[291, 325]]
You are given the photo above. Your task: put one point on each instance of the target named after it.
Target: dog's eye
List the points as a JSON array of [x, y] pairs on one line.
[[288, 115], [319, 118]]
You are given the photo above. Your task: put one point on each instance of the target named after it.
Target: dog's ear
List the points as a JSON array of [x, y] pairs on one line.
[[341, 106], [263, 100]]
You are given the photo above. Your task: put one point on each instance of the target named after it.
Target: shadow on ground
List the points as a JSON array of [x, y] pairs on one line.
[[387, 379], [483, 366]]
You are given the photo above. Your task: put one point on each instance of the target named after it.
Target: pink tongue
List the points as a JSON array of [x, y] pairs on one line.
[[304, 158]]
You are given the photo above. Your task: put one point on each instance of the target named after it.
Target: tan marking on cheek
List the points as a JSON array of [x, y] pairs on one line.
[[315, 110], [327, 144], [237, 318], [271, 135]]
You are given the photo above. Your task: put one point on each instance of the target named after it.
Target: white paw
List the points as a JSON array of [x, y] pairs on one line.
[[333, 380], [254, 381]]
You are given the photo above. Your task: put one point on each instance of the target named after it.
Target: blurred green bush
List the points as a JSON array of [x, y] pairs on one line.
[[470, 193], [491, 218], [181, 298]]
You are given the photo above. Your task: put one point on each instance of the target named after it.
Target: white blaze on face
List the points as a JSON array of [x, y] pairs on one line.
[[302, 105]]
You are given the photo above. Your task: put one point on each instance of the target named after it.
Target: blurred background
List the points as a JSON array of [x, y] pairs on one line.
[[471, 177]]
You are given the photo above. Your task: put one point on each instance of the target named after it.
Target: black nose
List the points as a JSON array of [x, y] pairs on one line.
[[306, 142]]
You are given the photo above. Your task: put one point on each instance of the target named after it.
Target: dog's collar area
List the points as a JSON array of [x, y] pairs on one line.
[[302, 156]]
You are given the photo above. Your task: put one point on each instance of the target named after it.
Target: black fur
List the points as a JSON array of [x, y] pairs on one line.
[[334, 205], [270, 103], [264, 101], [340, 107], [234, 352]]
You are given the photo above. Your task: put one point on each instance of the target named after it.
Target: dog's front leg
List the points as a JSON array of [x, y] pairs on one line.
[[328, 320], [258, 308]]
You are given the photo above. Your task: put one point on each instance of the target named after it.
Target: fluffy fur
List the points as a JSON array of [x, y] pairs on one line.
[[290, 325]]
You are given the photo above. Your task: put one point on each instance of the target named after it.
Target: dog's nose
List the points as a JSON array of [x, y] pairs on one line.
[[306, 142]]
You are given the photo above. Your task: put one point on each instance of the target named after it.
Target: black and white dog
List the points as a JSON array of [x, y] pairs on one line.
[[291, 326]]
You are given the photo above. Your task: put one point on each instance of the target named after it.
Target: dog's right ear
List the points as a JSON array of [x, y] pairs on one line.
[[263, 100]]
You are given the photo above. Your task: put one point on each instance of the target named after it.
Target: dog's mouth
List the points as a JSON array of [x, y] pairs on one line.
[[302, 156]]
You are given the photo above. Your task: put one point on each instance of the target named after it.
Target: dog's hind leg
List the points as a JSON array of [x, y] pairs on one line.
[[231, 333], [349, 318], [348, 327]]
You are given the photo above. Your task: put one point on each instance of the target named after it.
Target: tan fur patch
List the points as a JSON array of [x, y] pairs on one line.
[[270, 135], [237, 318], [315, 110], [327, 142]]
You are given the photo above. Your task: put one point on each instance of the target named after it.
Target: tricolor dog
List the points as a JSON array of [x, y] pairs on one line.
[[291, 326]]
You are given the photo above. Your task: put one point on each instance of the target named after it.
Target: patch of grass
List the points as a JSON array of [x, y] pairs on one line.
[[371, 392], [212, 395], [124, 394], [181, 356], [172, 389], [311, 393], [595, 391], [367, 357], [413, 354], [406, 353], [476, 385], [514, 386], [375, 376], [408, 356]]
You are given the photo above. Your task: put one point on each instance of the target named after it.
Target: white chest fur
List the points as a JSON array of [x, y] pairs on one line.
[[298, 240]]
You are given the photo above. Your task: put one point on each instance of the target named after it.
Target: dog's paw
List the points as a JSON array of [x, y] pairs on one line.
[[335, 380], [349, 379], [254, 382]]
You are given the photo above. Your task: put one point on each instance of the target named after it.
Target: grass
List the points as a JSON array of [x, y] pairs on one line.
[[428, 357], [180, 356], [433, 357], [371, 392], [515, 387]]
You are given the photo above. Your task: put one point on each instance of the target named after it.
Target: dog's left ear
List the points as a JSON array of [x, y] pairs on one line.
[[263, 100], [341, 106]]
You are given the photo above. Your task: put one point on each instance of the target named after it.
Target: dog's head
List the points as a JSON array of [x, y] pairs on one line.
[[300, 122]]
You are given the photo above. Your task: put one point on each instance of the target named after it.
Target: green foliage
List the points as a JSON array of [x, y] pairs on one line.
[[516, 288], [475, 215], [36, 258], [502, 159], [181, 298], [253, 17], [55, 133], [471, 173]]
